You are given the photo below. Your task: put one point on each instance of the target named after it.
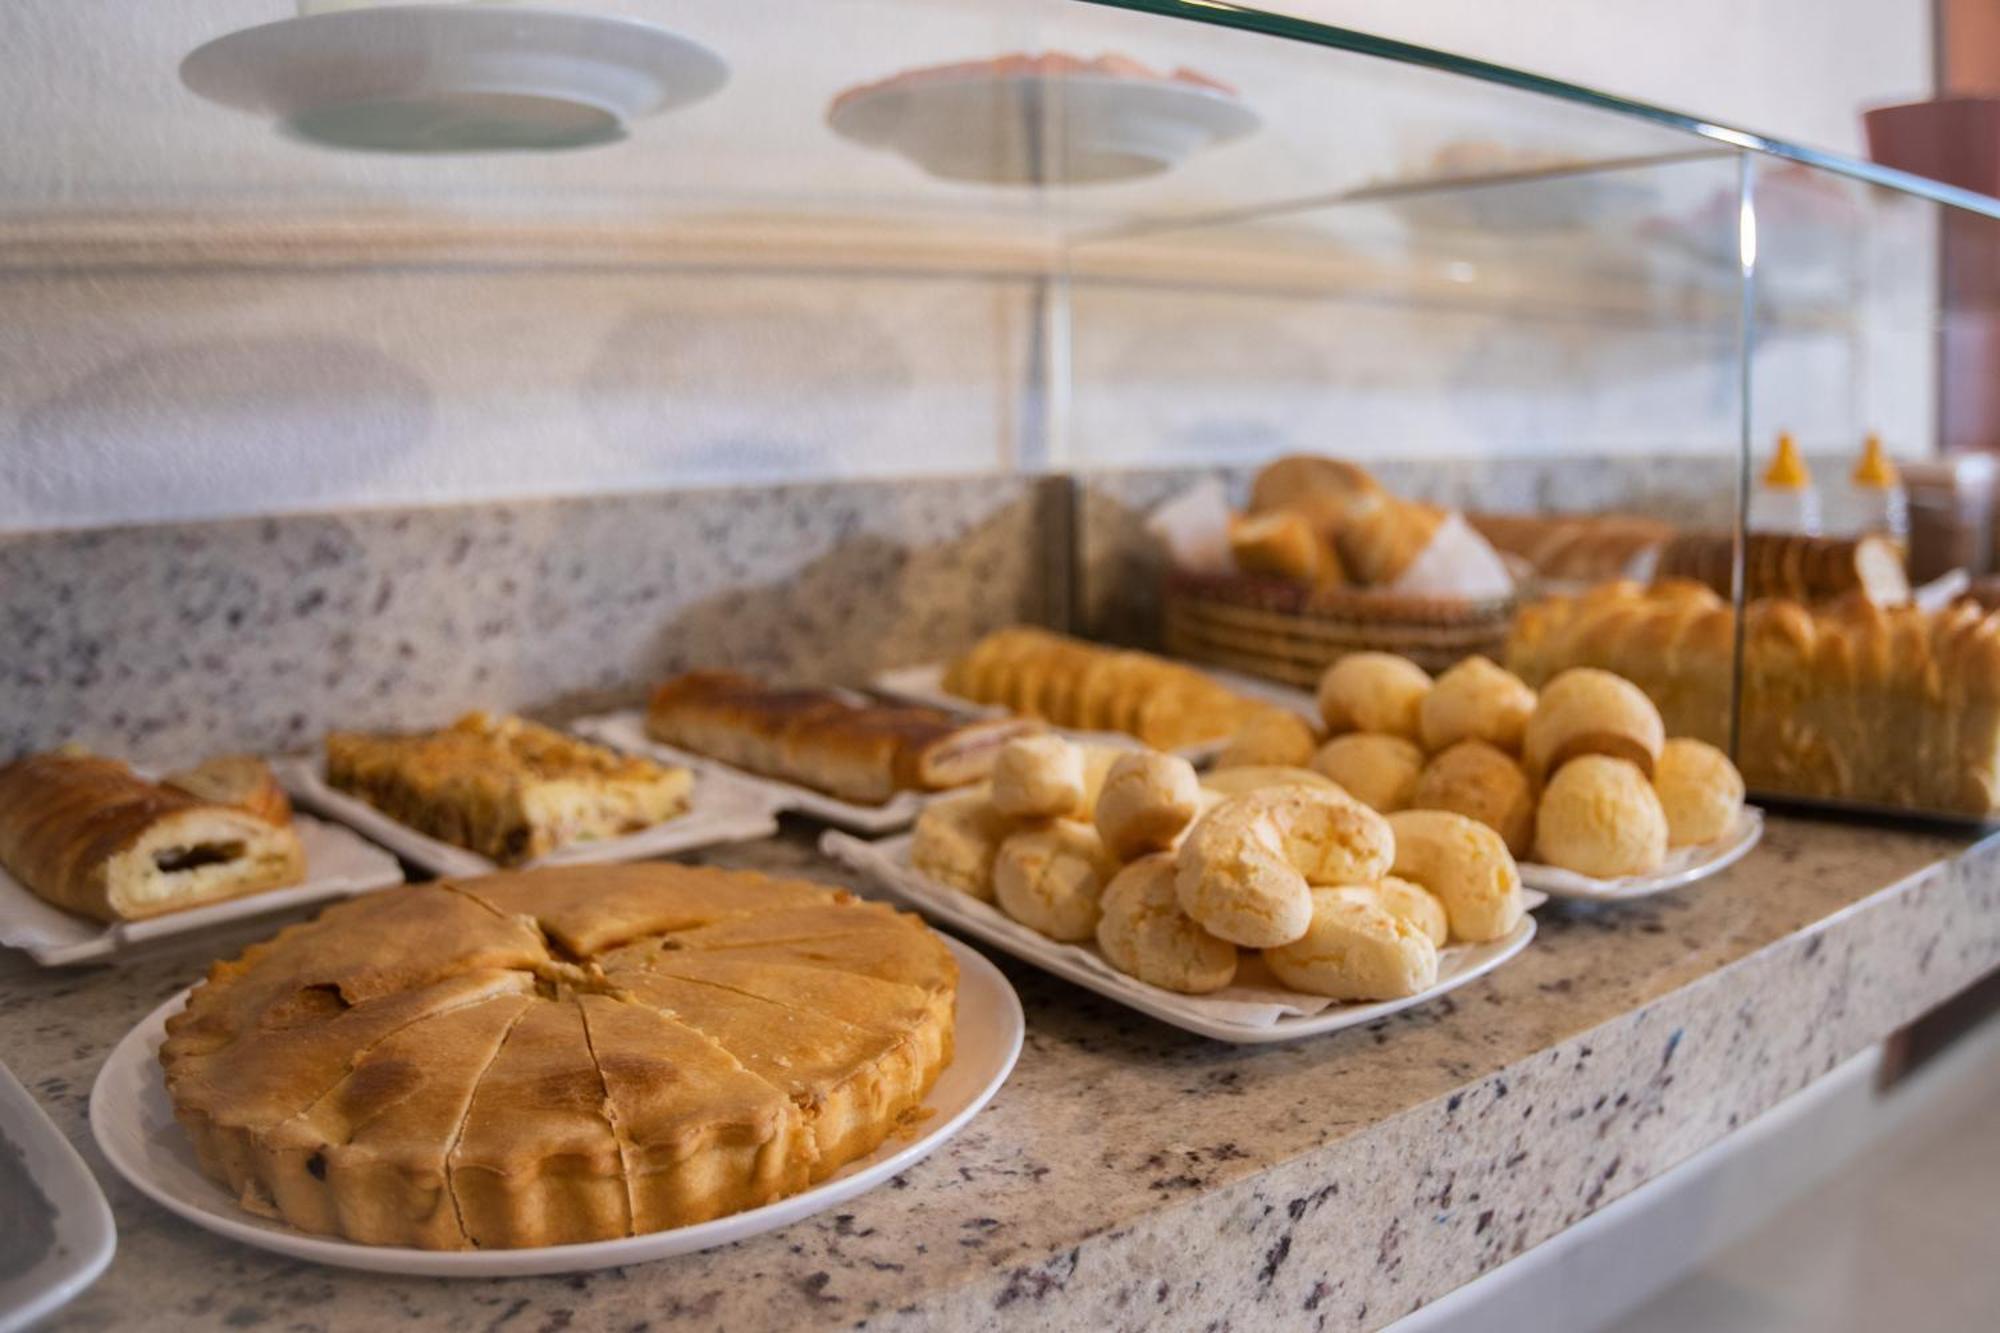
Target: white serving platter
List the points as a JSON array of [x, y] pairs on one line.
[[626, 730], [84, 1237], [925, 685], [414, 78], [339, 864], [133, 1121], [1245, 1013], [1041, 129], [1688, 865], [722, 810]]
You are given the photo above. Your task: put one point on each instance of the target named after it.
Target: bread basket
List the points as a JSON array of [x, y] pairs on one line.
[[1292, 632]]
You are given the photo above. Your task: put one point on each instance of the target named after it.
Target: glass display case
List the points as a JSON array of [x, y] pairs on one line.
[[269, 259]]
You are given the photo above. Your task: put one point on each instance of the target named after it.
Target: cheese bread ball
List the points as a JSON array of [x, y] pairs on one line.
[[1236, 781], [1381, 772], [1147, 800], [1355, 948], [957, 839], [1466, 865], [1412, 902], [1600, 817], [1145, 934], [1587, 711], [1476, 700], [1378, 692], [1246, 869], [1700, 792], [1478, 781], [1270, 736], [1051, 879], [1039, 777]]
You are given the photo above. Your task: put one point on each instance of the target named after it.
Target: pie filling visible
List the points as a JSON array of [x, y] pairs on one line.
[[399, 1072]]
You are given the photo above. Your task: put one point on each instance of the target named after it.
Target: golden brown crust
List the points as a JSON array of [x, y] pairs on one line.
[[92, 837], [433, 1067]]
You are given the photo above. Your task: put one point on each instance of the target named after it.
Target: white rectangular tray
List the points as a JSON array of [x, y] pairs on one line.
[[722, 810], [626, 731], [84, 1236], [1687, 865], [925, 685], [339, 864], [1243, 1013]]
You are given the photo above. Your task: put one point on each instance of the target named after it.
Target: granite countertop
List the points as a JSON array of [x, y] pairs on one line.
[[1131, 1173]]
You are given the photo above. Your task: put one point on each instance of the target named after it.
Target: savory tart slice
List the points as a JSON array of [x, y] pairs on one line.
[[700, 1136], [589, 909], [888, 955], [886, 1006], [369, 1159], [504, 787], [537, 1162], [850, 1083]]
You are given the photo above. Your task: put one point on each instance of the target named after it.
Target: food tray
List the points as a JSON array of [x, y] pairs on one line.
[[339, 864], [1244, 1013], [722, 810], [1685, 866]]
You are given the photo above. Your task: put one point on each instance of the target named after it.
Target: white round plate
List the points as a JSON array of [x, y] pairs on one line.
[[1031, 129], [454, 78], [134, 1125]]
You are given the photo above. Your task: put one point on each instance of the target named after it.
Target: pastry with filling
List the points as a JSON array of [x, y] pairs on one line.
[[558, 1056], [92, 837], [504, 787]]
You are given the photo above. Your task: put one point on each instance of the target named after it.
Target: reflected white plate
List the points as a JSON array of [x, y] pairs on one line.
[[454, 78], [722, 810], [339, 864], [1042, 129], [1245, 1013], [84, 1237], [626, 731], [134, 1124], [925, 685], [1687, 866]]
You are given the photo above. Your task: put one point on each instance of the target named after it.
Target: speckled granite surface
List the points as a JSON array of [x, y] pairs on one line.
[[1131, 1175], [152, 642]]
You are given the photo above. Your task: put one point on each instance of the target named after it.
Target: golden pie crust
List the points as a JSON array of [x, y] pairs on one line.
[[560, 1055]]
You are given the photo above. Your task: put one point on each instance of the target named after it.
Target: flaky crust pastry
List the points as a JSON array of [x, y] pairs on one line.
[[497, 1063]]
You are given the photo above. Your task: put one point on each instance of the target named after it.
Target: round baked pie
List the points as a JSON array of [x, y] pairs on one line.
[[559, 1055]]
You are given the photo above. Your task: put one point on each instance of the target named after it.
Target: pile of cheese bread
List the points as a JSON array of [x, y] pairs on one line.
[[1173, 877], [1580, 776]]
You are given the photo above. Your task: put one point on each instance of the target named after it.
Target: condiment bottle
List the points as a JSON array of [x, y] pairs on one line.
[[1875, 502], [1785, 500]]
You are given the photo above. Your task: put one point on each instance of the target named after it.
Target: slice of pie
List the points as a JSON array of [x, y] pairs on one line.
[[538, 1058], [505, 787]]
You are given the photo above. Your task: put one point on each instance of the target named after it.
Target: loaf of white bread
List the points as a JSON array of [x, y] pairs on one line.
[[1851, 701]]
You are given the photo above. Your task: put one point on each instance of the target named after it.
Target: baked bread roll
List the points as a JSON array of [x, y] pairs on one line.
[[1145, 934], [1599, 816], [1414, 904], [1587, 711], [1328, 492], [1355, 948], [1284, 545], [1245, 869], [1376, 546], [1270, 736], [1476, 700], [957, 839], [1379, 771], [241, 780], [1465, 865], [1051, 879], [1255, 777], [1374, 692], [1039, 777], [1148, 799], [92, 837], [1700, 792], [1478, 781]]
